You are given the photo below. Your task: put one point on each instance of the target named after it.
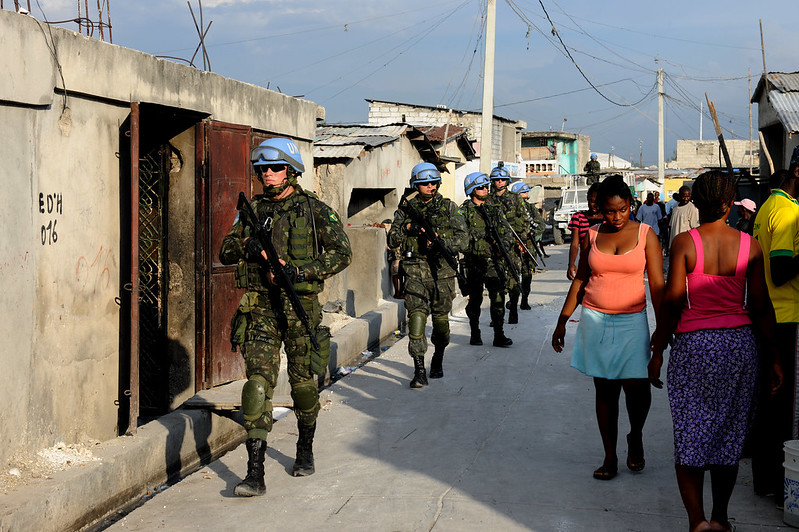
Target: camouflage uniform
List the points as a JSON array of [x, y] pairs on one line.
[[485, 266], [309, 234], [429, 279], [516, 214]]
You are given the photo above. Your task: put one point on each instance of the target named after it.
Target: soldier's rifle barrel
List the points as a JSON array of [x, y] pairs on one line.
[[263, 232], [520, 242], [498, 242]]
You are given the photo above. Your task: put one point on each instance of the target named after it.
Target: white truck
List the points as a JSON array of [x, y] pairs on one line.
[[572, 199]]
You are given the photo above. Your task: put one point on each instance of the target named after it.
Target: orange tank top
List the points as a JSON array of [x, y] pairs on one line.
[[616, 285]]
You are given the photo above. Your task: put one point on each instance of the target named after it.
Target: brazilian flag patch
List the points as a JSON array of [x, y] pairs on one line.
[[333, 217]]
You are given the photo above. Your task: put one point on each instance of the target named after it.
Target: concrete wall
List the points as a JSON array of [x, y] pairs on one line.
[[702, 153], [60, 266]]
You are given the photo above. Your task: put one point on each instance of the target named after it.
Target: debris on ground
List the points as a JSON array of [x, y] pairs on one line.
[[25, 469]]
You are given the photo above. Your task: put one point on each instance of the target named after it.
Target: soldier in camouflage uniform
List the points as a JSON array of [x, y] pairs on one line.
[[519, 220], [312, 245], [485, 264], [528, 266], [429, 279]]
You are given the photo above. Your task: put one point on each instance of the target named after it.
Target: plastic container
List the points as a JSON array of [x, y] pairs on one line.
[[791, 494]]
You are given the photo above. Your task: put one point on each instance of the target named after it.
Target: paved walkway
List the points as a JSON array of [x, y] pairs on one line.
[[506, 441]]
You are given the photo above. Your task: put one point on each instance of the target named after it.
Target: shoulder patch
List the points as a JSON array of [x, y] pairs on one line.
[[333, 217], [458, 210]]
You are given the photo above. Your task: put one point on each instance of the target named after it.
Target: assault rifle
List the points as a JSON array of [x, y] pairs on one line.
[[521, 243], [497, 241], [263, 232], [434, 239]]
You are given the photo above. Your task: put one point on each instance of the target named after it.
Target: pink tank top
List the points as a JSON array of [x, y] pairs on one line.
[[715, 301], [616, 285]]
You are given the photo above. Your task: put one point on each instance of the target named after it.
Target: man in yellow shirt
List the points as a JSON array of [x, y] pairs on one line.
[[776, 228]]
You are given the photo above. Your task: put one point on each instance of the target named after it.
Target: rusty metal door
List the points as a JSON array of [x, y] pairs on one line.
[[226, 172]]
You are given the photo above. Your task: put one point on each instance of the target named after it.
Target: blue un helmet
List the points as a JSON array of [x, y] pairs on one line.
[[277, 151], [474, 180], [425, 173], [500, 172], [520, 187], [593, 156]]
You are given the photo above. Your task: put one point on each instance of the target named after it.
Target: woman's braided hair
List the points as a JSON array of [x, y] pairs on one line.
[[610, 187], [712, 194]]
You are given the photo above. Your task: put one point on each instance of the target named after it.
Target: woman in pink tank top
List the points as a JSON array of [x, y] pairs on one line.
[[716, 293], [611, 343]]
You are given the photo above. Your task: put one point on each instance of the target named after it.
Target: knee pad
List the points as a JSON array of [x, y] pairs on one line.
[[416, 323], [306, 401], [440, 336], [255, 397]]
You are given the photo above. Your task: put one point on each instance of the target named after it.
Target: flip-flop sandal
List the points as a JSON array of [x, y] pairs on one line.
[[606, 473], [638, 463]]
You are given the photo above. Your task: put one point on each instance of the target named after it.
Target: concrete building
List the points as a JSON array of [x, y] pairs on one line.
[[707, 154], [546, 153], [120, 173], [506, 133], [777, 99]]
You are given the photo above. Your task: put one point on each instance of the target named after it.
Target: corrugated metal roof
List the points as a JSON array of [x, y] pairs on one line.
[[337, 152], [391, 130], [784, 82], [786, 105]]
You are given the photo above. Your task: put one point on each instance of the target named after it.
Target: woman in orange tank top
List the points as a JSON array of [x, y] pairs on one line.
[[612, 338]]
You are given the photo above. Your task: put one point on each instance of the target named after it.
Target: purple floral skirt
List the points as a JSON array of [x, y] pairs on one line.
[[711, 383]]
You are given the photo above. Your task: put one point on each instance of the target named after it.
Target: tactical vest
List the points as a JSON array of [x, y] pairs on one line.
[[294, 237], [438, 215]]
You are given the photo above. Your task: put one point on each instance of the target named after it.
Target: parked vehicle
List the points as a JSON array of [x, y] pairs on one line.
[[572, 199]]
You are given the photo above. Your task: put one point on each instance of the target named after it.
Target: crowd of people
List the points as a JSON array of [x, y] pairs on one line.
[[727, 313]]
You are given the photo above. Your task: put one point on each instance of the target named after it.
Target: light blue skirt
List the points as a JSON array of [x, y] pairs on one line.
[[612, 346]]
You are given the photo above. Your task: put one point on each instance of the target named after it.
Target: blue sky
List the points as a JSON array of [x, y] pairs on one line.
[[339, 52]]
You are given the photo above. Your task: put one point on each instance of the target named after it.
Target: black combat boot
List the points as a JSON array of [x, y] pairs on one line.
[[475, 338], [500, 340], [513, 314], [436, 370], [419, 376], [303, 464], [525, 305], [253, 483]]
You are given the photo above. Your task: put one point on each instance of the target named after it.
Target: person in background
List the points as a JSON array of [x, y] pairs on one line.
[[519, 220], [650, 214], [528, 265], [776, 229], [715, 300], [746, 215], [591, 169], [484, 260], [673, 202], [612, 340], [429, 279], [684, 216], [578, 225]]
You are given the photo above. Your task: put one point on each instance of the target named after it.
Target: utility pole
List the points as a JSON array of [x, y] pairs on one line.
[[701, 103], [641, 153], [661, 158], [488, 89], [751, 143]]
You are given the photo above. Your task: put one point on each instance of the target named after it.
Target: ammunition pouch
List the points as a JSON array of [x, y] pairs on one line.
[[238, 324], [320, 359]]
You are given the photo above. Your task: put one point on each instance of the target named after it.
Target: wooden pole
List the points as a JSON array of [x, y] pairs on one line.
[[765, 151], [712, 109]]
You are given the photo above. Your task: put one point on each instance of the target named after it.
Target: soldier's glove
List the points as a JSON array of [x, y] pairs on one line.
[[254, 247], [294, 273], [413, 229]]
